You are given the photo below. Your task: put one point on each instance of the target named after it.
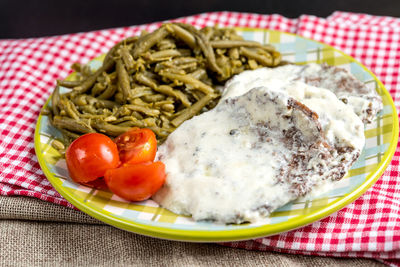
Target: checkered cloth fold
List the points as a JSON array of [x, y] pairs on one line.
[[369, 227]]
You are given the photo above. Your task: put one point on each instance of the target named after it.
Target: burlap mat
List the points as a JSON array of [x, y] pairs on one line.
[[37, 233]]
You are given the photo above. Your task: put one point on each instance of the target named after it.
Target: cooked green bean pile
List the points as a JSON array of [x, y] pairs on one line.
[[157, 80]]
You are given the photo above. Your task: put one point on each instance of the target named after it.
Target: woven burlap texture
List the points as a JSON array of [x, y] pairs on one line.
[[37, 233]]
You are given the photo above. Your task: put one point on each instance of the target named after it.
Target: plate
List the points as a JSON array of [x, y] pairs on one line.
[[149, 219]]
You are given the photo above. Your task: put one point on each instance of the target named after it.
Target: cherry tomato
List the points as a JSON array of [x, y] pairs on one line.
[[97, 184], [89, 156], [136, 146], [136, 182]]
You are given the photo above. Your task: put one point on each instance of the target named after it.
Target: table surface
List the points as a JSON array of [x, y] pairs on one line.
[[21, 19]]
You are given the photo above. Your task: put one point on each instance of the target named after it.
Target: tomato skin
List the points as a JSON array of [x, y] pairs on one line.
[[136, 182], [99, 184], [89, 156], [136, 146]]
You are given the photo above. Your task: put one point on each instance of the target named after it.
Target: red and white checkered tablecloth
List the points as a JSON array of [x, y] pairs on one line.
[[369, 227]]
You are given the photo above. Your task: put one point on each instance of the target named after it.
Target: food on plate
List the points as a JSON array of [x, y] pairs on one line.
[[125, 165], [363, 99], [156, 80], [136, 146], [89, 156], [136, 182], [269, 136], [265, 144]]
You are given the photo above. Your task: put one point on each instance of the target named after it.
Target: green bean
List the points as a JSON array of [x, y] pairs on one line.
[[182, 34], [192, 110], [168, 114], [72, 125], [110, 55], [107, 112], [98, 88], [153, 98], [196, 94], [108, 78], [176, 62], [167, 43], [88, 109], [55, 99], [137, 123], [185, 52], [141, 78], [110, 119], [143, 33], [199, 74], [89, 81], [123, 81], [252, 64], [46, 111], [168, 107], [209, 54], [68, 84], [126, 57], [103, 103], [189, 67], [147, 41], [150, 74], [163, 55], [157, 80], [266, 61], [162, 102], [80, 100], [150, 122], [122, 111], [108, 92], [71, 109], [183, 61], [63, 106], [205, 47], [208, 32], [140, 91], [168, 68], [109, 129], [160, 132], [140, 102], [187, 79], [86, 71], [88, 100], [168, 90], [119, 98], [91, 116], [76, 66], [142, 109], [165, 121], [125, 118], [56, 144], [233, 53], [137, 115], [277, 58]]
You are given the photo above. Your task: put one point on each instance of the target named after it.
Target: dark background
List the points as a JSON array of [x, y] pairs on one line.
[[21, 19]]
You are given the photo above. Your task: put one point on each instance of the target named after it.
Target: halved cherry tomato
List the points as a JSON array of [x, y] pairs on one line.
[[136, 146], [89, 156], [136, 182], [97, 184]]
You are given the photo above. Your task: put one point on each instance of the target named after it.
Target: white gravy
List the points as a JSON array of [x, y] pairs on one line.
[[214, 169]]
